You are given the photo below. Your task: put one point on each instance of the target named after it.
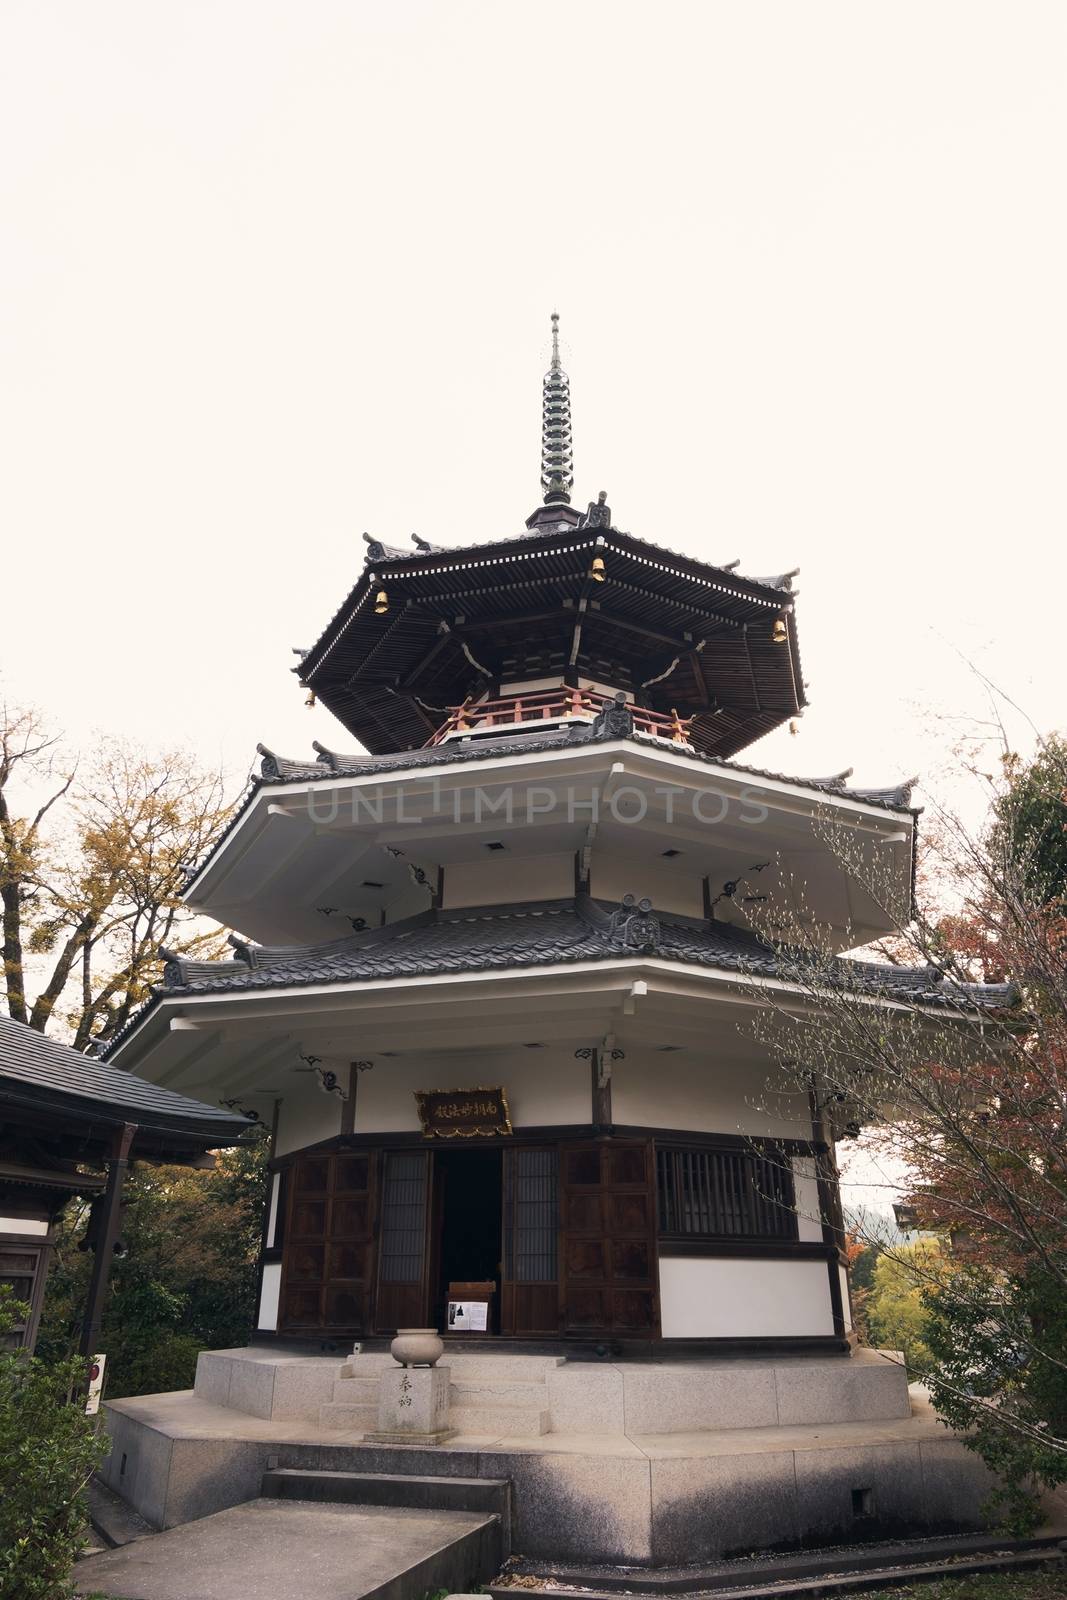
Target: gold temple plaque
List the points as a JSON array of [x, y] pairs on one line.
[[463, 1113]]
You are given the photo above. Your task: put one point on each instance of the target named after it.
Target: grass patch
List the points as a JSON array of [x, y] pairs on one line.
[[1042, 1583]]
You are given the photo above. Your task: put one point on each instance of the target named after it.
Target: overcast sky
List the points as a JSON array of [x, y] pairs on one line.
[[274, 273]]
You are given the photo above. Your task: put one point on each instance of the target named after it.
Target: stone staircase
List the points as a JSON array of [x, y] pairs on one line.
[[502, 1395]]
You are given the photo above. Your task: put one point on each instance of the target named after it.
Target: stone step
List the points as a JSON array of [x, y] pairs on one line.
[[356, 1419], [498, 1392], [369, 1364], [357, 1391], [509, 1421], [491, 1365], [490, 1495]]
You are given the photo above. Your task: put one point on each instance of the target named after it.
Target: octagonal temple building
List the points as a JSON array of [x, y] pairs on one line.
[[497, 966]]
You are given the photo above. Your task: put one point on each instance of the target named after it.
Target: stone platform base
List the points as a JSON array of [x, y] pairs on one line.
[[634, 1497], [505, 1395]]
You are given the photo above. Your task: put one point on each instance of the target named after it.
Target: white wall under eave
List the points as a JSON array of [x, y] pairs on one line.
[[543, 1087], [806, 1193], [272, 1214], [845, 1306], [32, 1227], [268, 1298], [670, 887], [502, 878], [703, 1093], [306, 1115], [708, 1297]]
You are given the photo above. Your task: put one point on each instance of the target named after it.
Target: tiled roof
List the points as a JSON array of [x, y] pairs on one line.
[[329, 764], [378, 551], [33, 1066], [542, 933]]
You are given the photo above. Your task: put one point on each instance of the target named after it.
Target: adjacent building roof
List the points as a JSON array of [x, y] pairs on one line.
[[543, 933], [42, 1075]]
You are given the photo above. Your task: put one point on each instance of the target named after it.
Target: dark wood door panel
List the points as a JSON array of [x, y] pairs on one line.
[[328, 1253], [608, 1250]]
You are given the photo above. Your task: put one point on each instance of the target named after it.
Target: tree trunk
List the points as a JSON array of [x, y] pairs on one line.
[[13, 967]]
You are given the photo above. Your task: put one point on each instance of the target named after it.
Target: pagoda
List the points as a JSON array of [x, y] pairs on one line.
[[534, 877], [495, 972]]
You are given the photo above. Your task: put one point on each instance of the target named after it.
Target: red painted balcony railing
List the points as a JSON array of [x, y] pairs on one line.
[[554, 705]]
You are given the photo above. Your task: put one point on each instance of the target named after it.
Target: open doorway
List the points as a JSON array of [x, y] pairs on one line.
[[468, 1197]]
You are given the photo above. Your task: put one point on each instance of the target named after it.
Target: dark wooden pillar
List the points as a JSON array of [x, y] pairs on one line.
[[599, 1084], [105, 1244], [833, 1222]]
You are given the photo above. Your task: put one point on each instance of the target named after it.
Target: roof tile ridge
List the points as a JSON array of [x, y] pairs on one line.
[[833, 785], [506, 912], [258, 957], [727, 569], [592, 912]]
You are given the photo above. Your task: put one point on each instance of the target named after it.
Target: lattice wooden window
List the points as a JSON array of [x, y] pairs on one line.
[[724, 1194]]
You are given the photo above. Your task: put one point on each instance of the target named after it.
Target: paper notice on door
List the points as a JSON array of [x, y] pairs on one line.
[[468, 1316]]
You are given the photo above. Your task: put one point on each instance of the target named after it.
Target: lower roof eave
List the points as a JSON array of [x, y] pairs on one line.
[[297, 1005], [153, 1128]]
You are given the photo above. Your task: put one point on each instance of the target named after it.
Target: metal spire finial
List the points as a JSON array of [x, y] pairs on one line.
[[557, 456]]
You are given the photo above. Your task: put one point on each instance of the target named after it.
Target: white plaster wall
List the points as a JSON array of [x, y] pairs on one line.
[[408, 902], [845, 1307], [806, 1189], [703, 1093], [272, 1217], [33, 1228], [268, 1300], [542, 1086], [528, 685], [610, 689], [734, 1298], [501, 877], [671, 886], [306, 1115], [524, 686]]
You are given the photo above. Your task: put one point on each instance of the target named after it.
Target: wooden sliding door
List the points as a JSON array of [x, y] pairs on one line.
[[402, 1253], [530, 1285]]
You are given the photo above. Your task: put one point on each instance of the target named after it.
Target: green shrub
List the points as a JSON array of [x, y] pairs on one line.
[[49, 1450], [187, 1282], [1000, 1347]]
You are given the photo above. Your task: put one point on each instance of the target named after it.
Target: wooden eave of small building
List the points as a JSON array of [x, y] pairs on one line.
[[76, 1103]]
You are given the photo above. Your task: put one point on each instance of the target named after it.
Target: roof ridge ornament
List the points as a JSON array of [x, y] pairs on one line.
[[598, 512], [635, 924]]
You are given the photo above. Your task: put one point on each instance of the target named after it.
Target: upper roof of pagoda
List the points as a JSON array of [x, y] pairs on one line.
[[572, 598], [676, 633]]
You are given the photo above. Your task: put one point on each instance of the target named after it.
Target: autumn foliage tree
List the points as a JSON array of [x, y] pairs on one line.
[[93, 855], [969, 1096]]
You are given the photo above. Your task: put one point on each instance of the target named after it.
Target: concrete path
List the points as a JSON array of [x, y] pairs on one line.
[[300, 1550]]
